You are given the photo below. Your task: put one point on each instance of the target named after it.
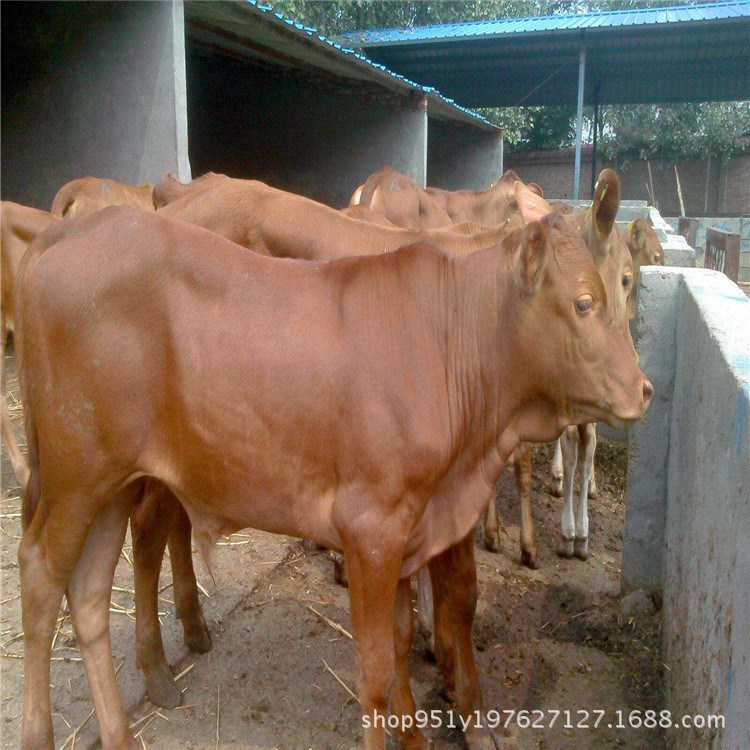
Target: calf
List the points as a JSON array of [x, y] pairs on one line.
[[19, 225], [422, 371], [274, 222], [90, 194], [404, 203]]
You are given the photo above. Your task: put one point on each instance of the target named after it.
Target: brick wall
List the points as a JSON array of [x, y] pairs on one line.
[[721, 187]]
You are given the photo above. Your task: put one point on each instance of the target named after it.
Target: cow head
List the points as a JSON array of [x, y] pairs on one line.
[[575, 356], [645, 250]]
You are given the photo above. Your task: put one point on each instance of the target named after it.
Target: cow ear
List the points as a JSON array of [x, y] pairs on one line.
[[606, 203], [637, 239], [532, 206], [535, 188], [532, 258]]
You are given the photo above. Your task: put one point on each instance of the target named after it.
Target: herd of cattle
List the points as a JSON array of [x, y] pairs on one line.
[[200, 358]]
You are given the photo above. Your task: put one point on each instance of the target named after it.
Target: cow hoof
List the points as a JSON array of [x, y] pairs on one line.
[[529, 559], [581, 548], [593, 490], [197, 636], [309, 545], [492, 541], [555, 486], [566, 548], [161, 687]]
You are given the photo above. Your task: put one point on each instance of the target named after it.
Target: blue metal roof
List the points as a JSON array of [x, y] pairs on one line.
[[677, 54], [534, 25]]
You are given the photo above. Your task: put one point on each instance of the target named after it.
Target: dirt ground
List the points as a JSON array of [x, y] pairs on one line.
[[551, 639]]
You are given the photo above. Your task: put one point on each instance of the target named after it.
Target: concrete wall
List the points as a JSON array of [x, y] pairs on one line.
[[315, 137], [726, 182], [739, 225], [687, 521], [91, 89], [460, 157]]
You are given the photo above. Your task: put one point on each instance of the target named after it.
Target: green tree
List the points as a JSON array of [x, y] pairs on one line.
[[680, 131]]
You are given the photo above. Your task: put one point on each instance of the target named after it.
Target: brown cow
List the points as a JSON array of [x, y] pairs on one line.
[[578, 443], [421, 371], [168, 190], [403, 202], [19, 225], [644, 246], [90, 194], [282, 224]]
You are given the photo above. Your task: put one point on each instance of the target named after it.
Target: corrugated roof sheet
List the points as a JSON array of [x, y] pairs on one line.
[[444, 103], [532, 25]]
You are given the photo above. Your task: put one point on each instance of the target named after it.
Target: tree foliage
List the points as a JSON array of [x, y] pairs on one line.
[[680, 131]]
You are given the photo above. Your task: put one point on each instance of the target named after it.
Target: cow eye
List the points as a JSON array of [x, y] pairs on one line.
[[627, 282], [584, 303]]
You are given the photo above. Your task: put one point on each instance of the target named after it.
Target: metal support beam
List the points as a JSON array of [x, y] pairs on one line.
[[593, 150], [579, 120]]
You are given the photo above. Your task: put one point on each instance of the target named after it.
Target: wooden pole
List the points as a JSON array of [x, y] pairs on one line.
[[679, 191]]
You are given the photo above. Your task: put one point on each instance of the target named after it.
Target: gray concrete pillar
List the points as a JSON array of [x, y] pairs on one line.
[[99, 90]]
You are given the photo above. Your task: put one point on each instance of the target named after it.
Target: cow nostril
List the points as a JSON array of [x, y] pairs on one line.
[[648, 390]]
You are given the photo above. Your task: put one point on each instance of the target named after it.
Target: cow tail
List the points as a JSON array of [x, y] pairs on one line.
[[31, 492]]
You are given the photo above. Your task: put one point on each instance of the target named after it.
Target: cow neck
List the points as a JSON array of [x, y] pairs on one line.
[[483, 390]]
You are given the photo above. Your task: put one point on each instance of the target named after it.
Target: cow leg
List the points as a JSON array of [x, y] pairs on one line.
[[20, 468], [187, 605], [339, 568], [41, 595], [593, 489], [373, 563], [556, 483], [454, 585], [402, 699], [522, 471], [150, 523], [89, 592], [491, 526], [424, 607], [569, 447], [587, 438]]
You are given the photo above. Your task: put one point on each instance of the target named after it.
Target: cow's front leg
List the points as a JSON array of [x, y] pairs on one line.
[[491, 526], [556, 481], [373, 548], [569, 446], [424, 607], [522, 471], [402, 699], [454, 584], [587, 438]]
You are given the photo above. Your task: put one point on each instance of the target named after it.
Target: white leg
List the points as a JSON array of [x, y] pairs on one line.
[[569, 447], [587, 435]]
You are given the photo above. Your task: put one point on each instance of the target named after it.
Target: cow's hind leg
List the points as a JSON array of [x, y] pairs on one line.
[[150, 524], [17, 461], [587, 438], [89, 592], [41, 595], [522, 471], [402, 699], [187, 604], [569, 445], [454, 584]]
